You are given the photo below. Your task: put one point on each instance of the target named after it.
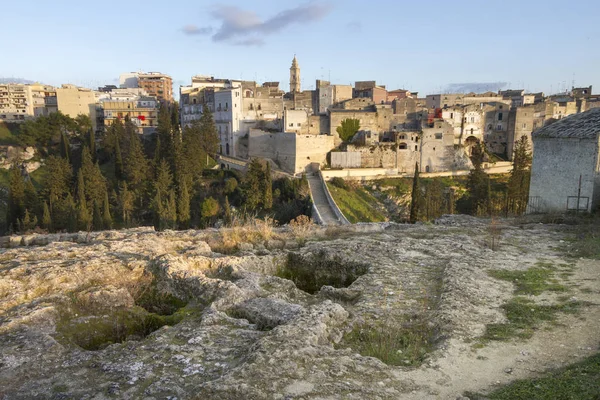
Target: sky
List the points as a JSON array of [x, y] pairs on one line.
[[429, 47]]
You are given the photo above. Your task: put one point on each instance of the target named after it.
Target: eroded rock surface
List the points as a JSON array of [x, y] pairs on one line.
[[138, 314]]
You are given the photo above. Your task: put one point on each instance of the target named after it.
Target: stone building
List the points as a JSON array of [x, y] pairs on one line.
[[565, 173], [293, 153], [370, 90], [295, 76], [327, 95]]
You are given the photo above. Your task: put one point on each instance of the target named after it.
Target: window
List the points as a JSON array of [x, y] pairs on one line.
[[500, 107], [416, 147], [524, 125], [298, 124], [472, 119], [451, 115], [402, 146], [291, 124], [194, 101], [499, 127], [402, 137], [251, 106], [438, 135], [499, 116]]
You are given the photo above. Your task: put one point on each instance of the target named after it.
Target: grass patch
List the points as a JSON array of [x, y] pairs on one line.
[[579, 381], [311, 272], [534, 280], [357, 204], [524, 317], [395, 344]]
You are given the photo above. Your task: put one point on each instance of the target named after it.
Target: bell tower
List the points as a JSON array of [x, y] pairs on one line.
[[294, 76]]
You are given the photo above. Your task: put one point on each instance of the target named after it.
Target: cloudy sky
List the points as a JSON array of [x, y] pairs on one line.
[[539, 45]]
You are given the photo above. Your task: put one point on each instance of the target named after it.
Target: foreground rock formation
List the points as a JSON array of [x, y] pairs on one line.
[[138, 314]]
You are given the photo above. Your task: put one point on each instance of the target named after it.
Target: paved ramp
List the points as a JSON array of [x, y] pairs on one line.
[[319, 198]]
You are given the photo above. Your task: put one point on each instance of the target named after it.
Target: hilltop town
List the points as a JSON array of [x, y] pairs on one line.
[[340, 126]]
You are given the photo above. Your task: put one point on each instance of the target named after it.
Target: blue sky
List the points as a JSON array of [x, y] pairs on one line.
[[422, 46]]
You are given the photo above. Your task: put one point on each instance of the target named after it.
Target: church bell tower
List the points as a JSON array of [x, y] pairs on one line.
[[294, 76]]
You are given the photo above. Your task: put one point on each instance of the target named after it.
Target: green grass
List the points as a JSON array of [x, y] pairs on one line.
[[357, 205], [524, 317], [394, 344], [534, 280], [579, 381]]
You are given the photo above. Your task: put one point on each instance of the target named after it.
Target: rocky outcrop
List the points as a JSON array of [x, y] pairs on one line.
[[139, 314]]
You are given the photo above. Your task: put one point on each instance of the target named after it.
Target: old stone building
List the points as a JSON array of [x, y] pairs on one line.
[[565, 174]]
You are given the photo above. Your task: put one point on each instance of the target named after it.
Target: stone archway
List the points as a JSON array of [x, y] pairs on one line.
[[469, 143]]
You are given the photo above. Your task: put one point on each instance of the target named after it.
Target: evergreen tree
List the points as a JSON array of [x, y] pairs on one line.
[[209, 138], [227, 212], [175, 115], [84, 218], [193, 152], [126, 204], [119, 174], [106, 217], [478, 184], [65, 147], [518, 183], [163, 180], [46, 218], [253, 182], [136, 165], [171, 211], [32, 201], [16, 198], [416, 202], [158, 212], [267, 188], [92, 144], [183, 207], [94, 181], [164, 131], [97, 217], [72, 213], [210, 209]]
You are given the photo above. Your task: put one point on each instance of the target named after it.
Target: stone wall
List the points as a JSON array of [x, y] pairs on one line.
[[292, 152], [557, 166]]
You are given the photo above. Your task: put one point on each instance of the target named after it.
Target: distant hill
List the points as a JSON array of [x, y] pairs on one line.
[[15, 80]]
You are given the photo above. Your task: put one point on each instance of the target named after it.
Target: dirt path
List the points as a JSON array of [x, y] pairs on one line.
[[461, 368]]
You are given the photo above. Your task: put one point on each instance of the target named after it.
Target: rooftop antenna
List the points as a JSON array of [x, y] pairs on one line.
[[573, 82]]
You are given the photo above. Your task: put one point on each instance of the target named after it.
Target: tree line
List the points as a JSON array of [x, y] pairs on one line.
[[123, 180]]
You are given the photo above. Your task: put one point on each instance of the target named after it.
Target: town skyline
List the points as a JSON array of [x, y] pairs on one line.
[[420, 52]]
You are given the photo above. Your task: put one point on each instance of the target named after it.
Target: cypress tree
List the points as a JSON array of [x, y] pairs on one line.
[[183, 207], [227, 212], [478, 183], [32, 201], [16, 198], [253, 181], [136, 165], [171, 210], [72, 214], [118, 161], [46, 218], [97, 217], [158, 212], [126, 199], [65, 147], [94, 181], [267, 188], [92, 144], [416, 199], [106, 217], [84, 219]]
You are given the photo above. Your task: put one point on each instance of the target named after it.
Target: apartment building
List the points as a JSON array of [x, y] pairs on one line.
[[14, 103], [143, 112], [157, 85]]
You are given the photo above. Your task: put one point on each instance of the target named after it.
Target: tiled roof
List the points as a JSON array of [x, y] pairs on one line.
[[583, 126]]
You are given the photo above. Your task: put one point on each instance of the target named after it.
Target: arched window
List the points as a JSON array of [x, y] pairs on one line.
[[194, 101], [403, 146], [227, 148]]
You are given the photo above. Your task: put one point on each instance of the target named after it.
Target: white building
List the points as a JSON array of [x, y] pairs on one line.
[[227, 116]]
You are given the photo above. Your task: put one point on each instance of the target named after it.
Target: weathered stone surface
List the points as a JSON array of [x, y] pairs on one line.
[[247, 333]]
